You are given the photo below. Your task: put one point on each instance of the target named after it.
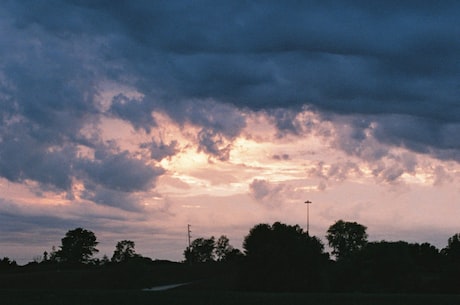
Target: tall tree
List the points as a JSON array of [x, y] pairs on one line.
[[223, 248], [452, 266], [282, 257], [78, 246], [201, 250], [346, 238], [452, 251], [124, 251]]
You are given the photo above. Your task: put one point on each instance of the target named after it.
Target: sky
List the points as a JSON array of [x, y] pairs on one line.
[[133, 119]]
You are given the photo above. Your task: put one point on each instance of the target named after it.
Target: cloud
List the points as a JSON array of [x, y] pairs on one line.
[[114, 178], [213, 144], [441, 176], [267, 193], [159, 151], [110, 197], [24, 156], [283, 157], [415, 133], [334, 172], [137, 112], [394, 74]]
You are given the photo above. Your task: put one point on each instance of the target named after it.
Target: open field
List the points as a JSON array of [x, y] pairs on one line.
[[189, 297]]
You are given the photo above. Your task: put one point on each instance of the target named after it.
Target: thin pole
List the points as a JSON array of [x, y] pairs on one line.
[[308, 202], [189, 235]]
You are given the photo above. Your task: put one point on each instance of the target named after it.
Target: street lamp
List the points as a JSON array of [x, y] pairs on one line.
[[308, 202]]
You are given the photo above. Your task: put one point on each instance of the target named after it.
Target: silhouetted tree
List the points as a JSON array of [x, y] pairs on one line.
[[201, 250], [225, 252], [78, 246], [45, 256], [452, 251], [124, 251], [399, 267], [234, 255], [346, 238], [282, 258], [451, 254], [427, 257], [386, 267], [222, 248], [7, 263], [104, 260], [53, 257]]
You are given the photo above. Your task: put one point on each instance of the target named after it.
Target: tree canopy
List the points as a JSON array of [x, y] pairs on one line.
[[78, 246], [201, 250], [124, 250], [276, 257], [346, 238], [282, 257], [452, 251]]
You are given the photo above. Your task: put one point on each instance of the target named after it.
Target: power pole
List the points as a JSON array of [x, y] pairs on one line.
[[308, 202], [189, 235]]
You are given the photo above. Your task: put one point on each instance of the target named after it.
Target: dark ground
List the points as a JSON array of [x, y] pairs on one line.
[[122, 284], [205, 297]]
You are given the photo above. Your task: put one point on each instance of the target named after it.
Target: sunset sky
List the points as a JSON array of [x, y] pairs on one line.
[[133, 119]]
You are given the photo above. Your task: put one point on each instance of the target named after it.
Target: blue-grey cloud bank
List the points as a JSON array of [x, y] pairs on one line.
[[395, 65]]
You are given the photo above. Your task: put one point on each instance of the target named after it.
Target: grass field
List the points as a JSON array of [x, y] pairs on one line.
[[194, 297]]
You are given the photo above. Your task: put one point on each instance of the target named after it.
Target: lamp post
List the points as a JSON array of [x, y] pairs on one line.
[[308, 202]]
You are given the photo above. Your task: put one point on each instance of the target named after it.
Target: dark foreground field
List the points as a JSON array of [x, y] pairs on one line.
[[194, 297], [122, 284]]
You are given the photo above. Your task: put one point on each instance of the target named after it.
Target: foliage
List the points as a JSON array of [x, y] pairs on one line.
[[346, 238], [78, 246], [225, 252], [205, 250], [201, 250], [222, 248], [451, 271], [6, 263], [276, 257], [124, 251], [452, 251], [282, 258]]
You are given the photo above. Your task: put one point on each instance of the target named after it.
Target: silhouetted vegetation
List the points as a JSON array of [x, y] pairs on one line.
[[124, 251], [346, 238], [282, 258], [201, 250], [78, 246], [6, 263], [205, 250], [276, 258]]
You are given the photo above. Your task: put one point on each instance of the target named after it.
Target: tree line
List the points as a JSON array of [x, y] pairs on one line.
[[78, 246], [281, 257]]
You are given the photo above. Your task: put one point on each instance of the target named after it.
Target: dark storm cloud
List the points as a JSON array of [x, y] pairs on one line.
[[24, 156], [395, 63], [346, 58], [120, 172], [136, 112], [415, 132], [161, 150]]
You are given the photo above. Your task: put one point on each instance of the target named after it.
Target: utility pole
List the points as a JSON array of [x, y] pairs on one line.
[[189, 235], [308, 202]]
